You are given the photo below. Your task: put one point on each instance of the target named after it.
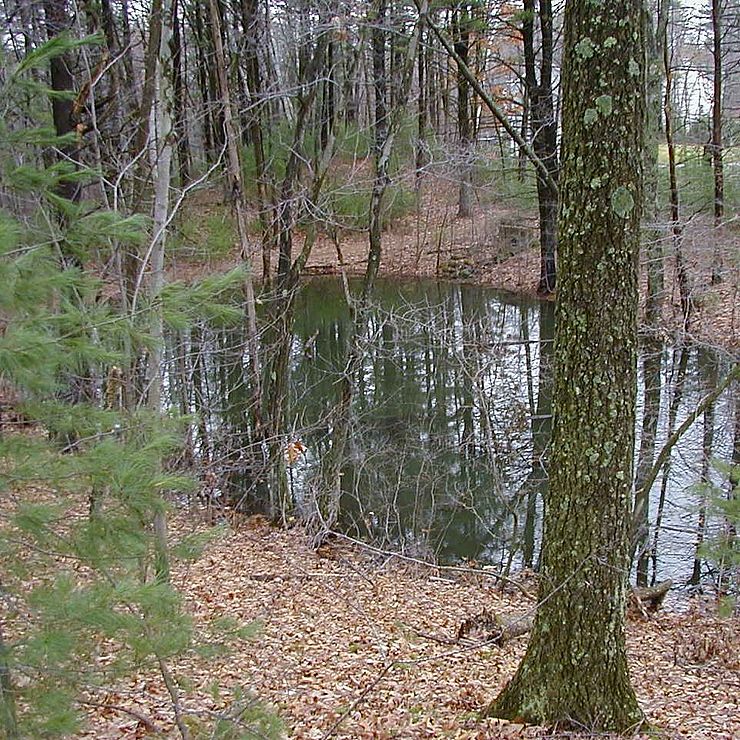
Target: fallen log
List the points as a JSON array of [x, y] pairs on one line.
[[648, 599], [489, 627]]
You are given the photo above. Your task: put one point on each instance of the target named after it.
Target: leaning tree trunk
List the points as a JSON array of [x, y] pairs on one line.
[[575, 668]]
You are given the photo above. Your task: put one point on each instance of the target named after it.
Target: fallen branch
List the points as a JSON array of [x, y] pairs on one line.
[[148, 724], [671, 442], [493, 629], [653, 596], [449, 568], [265, 577]]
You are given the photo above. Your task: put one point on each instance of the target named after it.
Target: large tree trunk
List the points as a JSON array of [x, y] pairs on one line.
[[575, 668]]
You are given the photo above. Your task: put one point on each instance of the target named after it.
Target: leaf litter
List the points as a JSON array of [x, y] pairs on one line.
[[346, 646]]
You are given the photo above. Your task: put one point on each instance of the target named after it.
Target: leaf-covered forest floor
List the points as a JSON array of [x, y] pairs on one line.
[[353, 643], [497, 247]]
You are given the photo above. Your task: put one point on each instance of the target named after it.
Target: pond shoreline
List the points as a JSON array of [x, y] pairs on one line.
[[496, 247]]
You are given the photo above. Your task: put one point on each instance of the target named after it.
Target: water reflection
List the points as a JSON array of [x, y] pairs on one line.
[[450, 423]]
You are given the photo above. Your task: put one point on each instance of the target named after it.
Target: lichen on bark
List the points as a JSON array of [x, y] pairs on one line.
[[575, 669]]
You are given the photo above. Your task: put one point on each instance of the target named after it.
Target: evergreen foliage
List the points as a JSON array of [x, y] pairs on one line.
[[82, 476], [724, 547]]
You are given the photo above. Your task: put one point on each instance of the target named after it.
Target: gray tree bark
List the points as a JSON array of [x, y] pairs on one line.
[[575, 669]]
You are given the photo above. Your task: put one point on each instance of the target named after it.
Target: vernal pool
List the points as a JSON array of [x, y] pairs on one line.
[[450, 422]]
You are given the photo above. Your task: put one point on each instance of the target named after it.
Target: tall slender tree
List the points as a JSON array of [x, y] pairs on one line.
[[717, 165], [461, 25], [684, 287], [575, 668], [652, 232], [544, 127], [236, 188], [386, 125], [58, 22]]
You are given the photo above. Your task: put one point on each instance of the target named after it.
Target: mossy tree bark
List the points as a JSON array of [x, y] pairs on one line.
[[575, 669]]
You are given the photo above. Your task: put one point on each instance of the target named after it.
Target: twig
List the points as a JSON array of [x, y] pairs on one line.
[[169, 682], [450, 568], [434, 638], [364, 693], [149, 724], [264, 577], [671, 442]]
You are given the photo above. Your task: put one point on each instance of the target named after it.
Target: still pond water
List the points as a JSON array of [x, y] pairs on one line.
[[450, 423]]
